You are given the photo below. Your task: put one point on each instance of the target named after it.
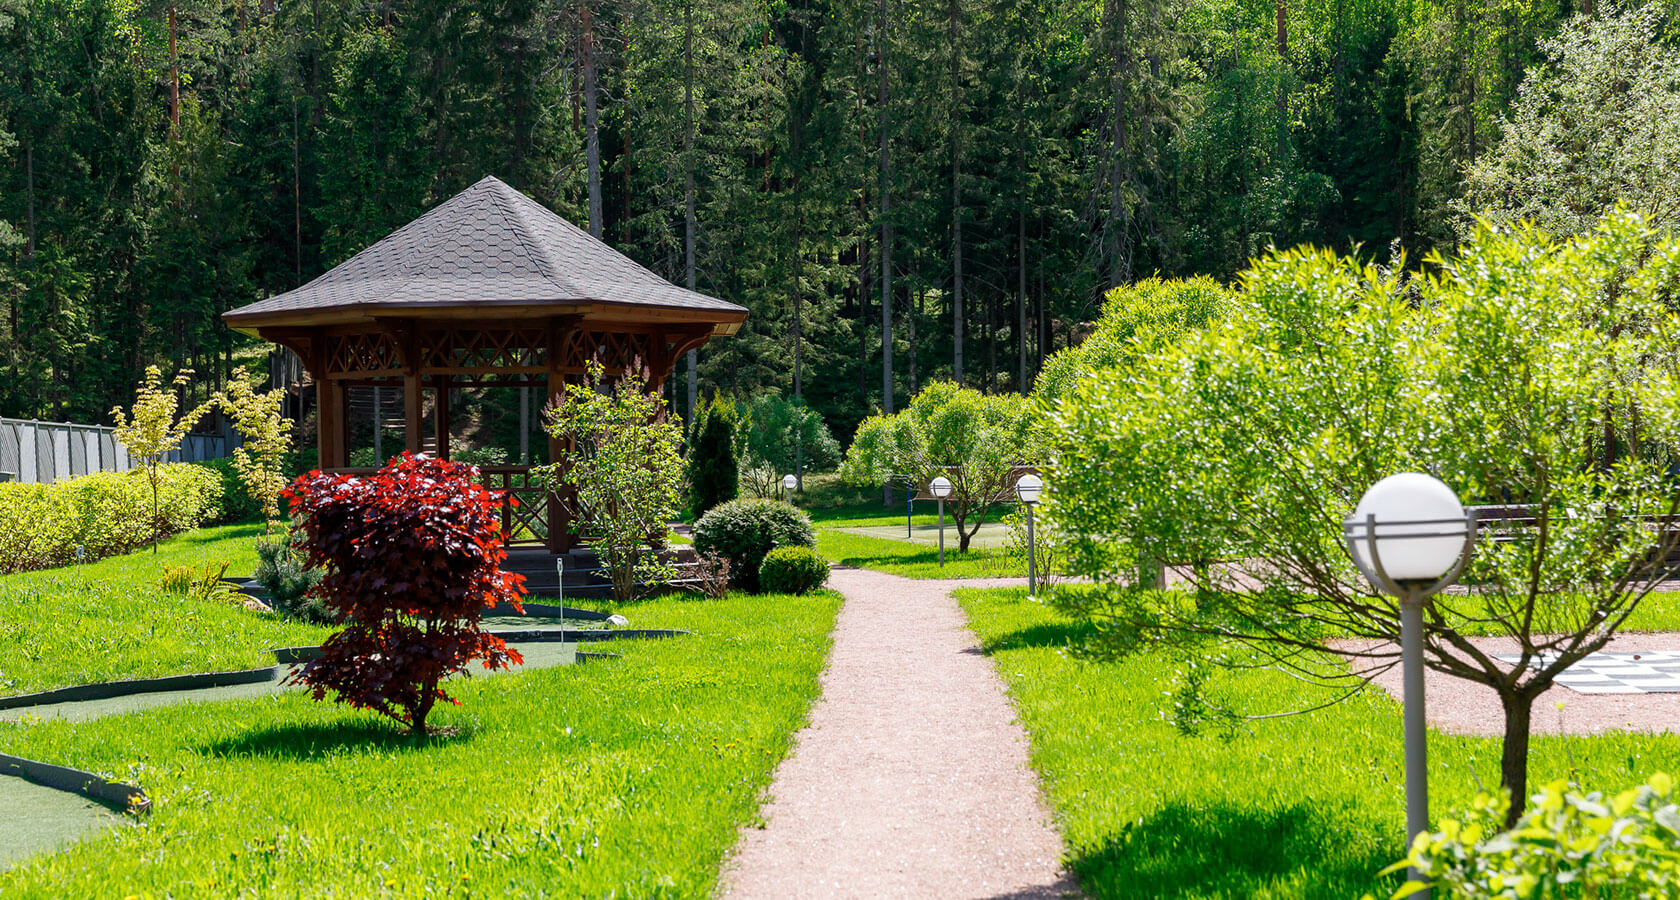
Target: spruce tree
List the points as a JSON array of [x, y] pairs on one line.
[[713, 474]]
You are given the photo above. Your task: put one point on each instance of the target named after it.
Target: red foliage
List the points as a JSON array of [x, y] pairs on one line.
[[413, 558]]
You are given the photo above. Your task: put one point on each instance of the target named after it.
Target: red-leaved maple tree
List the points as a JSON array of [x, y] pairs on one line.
[[412, 558]]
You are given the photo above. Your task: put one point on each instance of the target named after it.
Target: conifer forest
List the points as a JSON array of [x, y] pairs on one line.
[[899, 191]]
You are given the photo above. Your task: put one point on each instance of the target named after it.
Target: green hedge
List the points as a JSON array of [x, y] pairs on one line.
[[792, 570], [746, 530], [106, 513]]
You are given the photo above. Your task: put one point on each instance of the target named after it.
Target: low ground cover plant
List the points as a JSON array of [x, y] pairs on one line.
[[792, 570], [626, 777], [745, 531], [1570, 843], [44, 525], [411, 558]]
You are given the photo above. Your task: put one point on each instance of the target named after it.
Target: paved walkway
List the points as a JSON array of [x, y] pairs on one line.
[[912, 778]]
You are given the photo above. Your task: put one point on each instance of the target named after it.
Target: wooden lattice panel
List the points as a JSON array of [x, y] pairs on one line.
[[526, 523], [484, 350], [364, 353], [616, 351]]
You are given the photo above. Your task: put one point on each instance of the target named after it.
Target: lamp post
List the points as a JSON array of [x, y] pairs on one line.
[[940, 488], [789, 482], [1411, 537], [1027, 489]]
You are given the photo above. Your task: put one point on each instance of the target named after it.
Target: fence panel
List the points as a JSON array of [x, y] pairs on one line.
[[45, 452]]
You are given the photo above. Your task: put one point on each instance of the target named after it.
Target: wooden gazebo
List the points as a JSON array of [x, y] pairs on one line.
[[489, 288]]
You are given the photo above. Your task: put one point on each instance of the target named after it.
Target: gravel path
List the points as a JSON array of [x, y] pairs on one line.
[[912, 778], [1465, 707]]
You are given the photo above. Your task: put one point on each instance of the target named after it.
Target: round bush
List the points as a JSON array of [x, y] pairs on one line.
[[792, 570], [745, 531]]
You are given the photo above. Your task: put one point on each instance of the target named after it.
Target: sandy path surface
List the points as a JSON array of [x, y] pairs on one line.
[[1465, 707], [912, 778]]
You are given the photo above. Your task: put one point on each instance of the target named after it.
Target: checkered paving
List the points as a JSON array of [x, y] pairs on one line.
[[1646, 672]]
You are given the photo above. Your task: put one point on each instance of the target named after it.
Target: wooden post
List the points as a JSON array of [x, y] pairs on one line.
[[560, 538], [440, 415], [329, 399], [411, 411]]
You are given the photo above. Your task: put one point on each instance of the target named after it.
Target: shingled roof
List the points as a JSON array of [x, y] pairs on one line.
[[489, 246]]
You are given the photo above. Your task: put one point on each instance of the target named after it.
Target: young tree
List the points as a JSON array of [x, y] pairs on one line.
[[713, 473], [778, 436], [1530, 373], [412, 558], [152, 430], [261, 459], [975, 440], [625, 471]]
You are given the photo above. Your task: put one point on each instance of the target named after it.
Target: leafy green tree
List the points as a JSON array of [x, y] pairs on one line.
[[261, 459], [778, 437], [624, 470], [1138, 319], [714, 475], [1528, 371], [975, 440], [1595, 127], [152, 429]]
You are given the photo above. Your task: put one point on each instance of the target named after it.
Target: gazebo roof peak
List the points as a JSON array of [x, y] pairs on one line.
[[487, 250]]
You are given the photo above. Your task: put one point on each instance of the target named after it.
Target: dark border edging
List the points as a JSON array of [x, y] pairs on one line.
[[63, 778], [105, 690]]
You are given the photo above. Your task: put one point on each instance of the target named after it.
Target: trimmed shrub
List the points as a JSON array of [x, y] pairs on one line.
[[745, 531], [792, 570], [42, 525], [237, 503]]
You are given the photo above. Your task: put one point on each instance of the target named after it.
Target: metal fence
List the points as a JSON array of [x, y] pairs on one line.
[[45, 452]]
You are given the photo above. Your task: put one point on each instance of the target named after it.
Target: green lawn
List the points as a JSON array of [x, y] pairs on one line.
[[906, 558], [109, 620], [1303, 807], [625, 777]]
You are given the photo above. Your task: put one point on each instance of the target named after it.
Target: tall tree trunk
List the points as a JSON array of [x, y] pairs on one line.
[[886, 235], [910, 322], [1021, 298], [591, 124], [1119, 224], [954, 108], [174, 79], [1513, 757], [688, 192]]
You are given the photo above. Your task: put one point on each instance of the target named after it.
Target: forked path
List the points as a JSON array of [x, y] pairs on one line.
[[912, 778]]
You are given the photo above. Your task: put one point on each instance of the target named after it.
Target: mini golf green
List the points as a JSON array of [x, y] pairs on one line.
[[990, 536]]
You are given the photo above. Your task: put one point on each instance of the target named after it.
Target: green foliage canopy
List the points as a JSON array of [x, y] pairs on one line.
[[713, 471], [778, 436], [1526, 370], [976, 440]]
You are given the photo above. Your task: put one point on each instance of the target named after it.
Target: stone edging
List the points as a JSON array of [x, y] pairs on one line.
[[76, 781]]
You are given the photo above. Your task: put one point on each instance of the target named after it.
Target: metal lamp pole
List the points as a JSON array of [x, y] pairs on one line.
[[1027, 489], [940, 488], [1365, 545]]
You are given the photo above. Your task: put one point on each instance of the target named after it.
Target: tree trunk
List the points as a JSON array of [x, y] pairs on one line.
[[1021, 300], [1513, 759], [591, 125], [886, 238], [174, 79], [688, 192], [955, 110]]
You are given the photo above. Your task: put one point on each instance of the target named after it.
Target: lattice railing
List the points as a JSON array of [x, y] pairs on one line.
[[527, 522]]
